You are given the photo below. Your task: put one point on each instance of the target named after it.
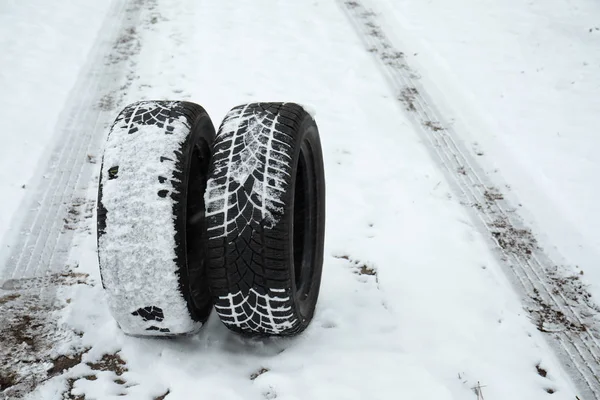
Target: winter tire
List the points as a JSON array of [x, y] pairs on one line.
[[151, 218], [265, 219]]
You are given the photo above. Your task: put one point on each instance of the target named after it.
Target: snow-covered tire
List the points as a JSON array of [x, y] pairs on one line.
[[265, 214], [151, 218]]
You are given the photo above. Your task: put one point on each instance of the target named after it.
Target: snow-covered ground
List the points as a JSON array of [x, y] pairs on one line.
[[44, 49], [415, 302], [520, 81]]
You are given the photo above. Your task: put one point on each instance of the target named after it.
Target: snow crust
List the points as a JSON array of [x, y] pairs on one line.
[[138, 249]]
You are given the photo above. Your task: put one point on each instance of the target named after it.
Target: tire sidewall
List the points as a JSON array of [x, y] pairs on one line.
[[203, 134], [308, 134]]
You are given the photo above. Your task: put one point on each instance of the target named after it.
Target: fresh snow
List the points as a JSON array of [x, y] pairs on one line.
[[414, 303]]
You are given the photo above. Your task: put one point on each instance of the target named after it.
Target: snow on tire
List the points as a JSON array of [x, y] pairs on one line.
[[265, 214], [151, 218]]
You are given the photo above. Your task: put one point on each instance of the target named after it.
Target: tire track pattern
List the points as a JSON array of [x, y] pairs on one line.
[[559, 305], [38, 254], [44, 241]]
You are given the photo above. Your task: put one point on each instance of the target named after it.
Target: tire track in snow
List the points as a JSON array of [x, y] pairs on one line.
[[560, 307], [37, 263], [44, 239]]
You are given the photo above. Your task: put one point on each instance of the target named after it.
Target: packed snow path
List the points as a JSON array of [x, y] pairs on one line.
[[418, 297], [557, 308]]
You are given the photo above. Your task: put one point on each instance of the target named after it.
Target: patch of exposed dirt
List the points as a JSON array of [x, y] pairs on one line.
[[434, 126], [162, 397], [520, 242], [153, 18], [107, 102], [258, 373], [571, 287], [376, 32], [67, 278], [492, 194], [408, 96], [541, 371], [359, 267], [110, 362], [7, 380], [68, 393], [548, 319], [384, 51], [8, 298], [78, 210], [393, 58], [64, 363], [365, 270], [28, 332], [477, 150], [73, 278], [127, 45]]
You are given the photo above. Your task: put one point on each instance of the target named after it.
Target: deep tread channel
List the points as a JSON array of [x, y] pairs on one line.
[[265, 210]]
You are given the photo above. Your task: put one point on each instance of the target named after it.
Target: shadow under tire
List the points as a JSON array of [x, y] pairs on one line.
[[150, 218], [265, 213]]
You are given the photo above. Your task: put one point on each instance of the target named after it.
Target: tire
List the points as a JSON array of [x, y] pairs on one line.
[[151, 218], [265, 214]]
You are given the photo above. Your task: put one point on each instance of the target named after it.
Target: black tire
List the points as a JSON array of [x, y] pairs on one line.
[[266, 219], [151, 218]]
